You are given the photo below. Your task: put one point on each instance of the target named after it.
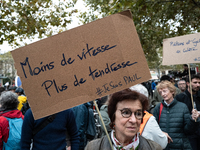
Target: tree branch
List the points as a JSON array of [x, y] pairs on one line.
[[196, 3]]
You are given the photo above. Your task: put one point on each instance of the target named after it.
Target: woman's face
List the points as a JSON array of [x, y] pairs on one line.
[[126, 128], [166, 94]]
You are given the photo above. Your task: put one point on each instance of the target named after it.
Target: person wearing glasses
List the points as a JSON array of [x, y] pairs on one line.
[[182, 85], [126, 111], [174, 118]]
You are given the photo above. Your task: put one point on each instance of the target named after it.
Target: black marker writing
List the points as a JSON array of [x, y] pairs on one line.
[[64, 62], [110, 68], [47, 84], [36, 70], [78, 82], [130, 79], [108, 87], [93, 52]]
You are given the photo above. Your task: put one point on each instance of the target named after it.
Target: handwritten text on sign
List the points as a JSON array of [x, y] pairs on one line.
[[93, 72], [81, 64], [181, 50]]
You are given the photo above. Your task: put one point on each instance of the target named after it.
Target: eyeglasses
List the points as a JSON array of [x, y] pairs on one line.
[[126, 113]]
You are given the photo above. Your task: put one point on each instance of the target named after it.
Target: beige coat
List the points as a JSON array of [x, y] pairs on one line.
[[103, 144]]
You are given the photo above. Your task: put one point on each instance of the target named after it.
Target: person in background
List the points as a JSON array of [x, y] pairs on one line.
[[105, 117], [176, 84], [12, 88], [126, 110], [149, 128], [157, 98], [21, 97], [185, 97], [185, 72], [101, 101], [147, 85], [83, 122], [174, 118], [153, 85], [8, 112], [53, 135], [172, 80], [2, 89], [182, 85], [6, 86]]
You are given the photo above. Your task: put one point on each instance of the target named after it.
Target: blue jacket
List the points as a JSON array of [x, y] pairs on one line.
[[81, 116], [52, 136], [85, 123]]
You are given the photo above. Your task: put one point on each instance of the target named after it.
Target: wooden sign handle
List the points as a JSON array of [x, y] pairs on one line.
[[103, 124]]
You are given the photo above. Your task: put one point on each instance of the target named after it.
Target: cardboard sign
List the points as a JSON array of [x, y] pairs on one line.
[[181, 50], [81, 64]]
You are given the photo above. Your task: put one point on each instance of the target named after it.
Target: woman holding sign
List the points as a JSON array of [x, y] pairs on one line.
[[125, 110], [174, 118]]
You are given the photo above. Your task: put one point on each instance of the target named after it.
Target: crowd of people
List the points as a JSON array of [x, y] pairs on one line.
[[146, 116]]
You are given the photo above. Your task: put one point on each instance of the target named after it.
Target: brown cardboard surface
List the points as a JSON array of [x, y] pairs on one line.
[[181, 50], [55, 77]]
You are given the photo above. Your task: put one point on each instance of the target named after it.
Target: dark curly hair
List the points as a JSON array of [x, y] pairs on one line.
[[193, 76], [121, 96], [9, 100]]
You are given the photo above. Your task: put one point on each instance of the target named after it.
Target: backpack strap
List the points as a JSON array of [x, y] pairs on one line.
[[44, 124], [161, 107]]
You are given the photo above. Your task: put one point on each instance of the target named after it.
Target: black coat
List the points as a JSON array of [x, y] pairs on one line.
[[185, 97]]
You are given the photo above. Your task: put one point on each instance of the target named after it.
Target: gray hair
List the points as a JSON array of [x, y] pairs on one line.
[[9, 100], [181, 80]]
